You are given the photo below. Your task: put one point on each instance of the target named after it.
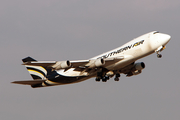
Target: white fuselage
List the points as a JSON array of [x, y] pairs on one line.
[[136, 49], [131, 51]]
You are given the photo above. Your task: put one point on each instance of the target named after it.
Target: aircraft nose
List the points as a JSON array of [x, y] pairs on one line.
[[165, 38]]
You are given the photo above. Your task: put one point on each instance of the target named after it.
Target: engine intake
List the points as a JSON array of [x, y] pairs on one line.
[[139, 66]]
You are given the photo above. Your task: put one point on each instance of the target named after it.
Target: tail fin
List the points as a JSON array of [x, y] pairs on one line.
[[37, 72]]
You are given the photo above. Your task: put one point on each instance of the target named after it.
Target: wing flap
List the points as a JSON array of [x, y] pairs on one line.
[[51, 63]]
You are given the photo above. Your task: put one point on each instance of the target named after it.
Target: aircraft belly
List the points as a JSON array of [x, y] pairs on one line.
[[120, 64], [71, 72], [61, 80], [65, 79], [129, 57], [60, 77]]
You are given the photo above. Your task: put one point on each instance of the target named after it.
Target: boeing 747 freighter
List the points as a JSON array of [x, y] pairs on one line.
[[121, 60]]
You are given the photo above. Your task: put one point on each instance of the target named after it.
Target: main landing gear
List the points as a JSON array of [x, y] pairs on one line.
[[104, 77], [101, 76], [117, 77]]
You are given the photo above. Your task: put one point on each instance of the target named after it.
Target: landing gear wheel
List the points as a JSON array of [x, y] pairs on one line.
[[118, 75], [99, 76], [159, 55], [116, 79], [98, 79], [107, 77], [104, 79]]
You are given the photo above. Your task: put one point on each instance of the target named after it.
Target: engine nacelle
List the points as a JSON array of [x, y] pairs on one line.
[[139, 66], [97, 63], [137, 69], [61, 65]]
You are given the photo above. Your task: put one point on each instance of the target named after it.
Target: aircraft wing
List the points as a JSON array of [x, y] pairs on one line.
[[52, 63], [92, 63], [79, 63]]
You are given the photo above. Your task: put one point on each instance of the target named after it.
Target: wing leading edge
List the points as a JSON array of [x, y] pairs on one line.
[[74, 64]]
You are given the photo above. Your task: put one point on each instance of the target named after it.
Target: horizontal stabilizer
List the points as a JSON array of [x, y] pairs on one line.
[[29, 82]]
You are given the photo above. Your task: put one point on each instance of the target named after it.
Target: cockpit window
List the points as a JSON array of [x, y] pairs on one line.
[[155, 32]]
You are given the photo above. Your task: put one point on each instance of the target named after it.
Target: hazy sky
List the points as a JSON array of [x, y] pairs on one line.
[[81, 29]]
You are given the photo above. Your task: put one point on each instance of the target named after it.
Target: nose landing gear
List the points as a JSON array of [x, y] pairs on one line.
[[159, 50], [159, 55]]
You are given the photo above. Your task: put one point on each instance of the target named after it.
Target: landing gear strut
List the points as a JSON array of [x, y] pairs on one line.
[[117, 77], [99, 76], [103, 76], [158, 55], [159, 50]]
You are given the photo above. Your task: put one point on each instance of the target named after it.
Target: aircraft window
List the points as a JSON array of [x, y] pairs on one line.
[[155, 32]]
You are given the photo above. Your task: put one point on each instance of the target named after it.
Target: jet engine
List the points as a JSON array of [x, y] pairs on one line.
[[137, 69], [97, 63], [61, 65], [139, 66]]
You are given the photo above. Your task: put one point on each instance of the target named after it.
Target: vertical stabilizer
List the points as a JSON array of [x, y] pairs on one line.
[[37, 72]]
